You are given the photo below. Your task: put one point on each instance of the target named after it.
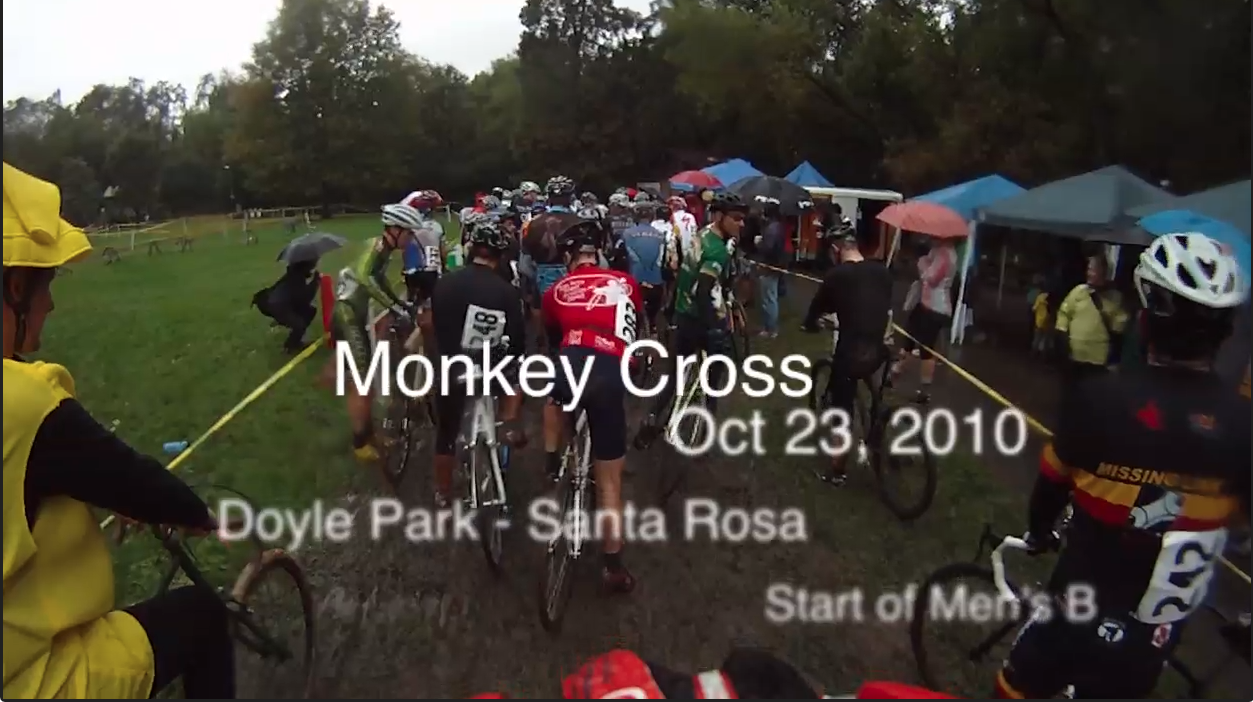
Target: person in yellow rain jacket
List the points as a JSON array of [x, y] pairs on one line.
[[62, 636]]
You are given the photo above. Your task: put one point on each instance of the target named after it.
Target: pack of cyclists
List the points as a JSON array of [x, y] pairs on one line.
[[1155, 462]]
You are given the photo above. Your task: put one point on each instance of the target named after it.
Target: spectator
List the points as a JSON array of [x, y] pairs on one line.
[[770, 249], [1091, 321], [289, 302], [1041, 333], [932, 315]]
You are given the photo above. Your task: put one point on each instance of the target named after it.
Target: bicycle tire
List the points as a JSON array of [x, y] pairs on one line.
[[904, 511], [488, 519], [554, 598], [741, 347], [922, 608], [277, 562]]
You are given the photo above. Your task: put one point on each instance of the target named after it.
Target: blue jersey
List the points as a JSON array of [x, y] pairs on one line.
[[412, 257], [646, 249]]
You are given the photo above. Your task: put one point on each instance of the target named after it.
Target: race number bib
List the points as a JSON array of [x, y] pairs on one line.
[[482, 327], [431, 254], [625, 322], [347, 284], [1181, 577]]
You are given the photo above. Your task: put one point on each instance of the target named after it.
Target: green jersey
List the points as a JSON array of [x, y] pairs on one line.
[[366, 278], [708, 255]]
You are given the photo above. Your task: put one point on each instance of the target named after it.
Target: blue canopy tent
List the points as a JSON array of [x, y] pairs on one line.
[[1226, 203], [806, 176], [730, 171], [965, 199]]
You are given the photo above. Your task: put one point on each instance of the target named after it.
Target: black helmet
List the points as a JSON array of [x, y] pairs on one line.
[[486, 233], [727, 202], [581, 237], [559, 186], [841, 230]]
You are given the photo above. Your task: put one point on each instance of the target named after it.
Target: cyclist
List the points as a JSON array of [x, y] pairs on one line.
[[700, 315], [859, 293], [1155, 462], [646, 250], [471, 307], [539, 242], [683, 222], [528, 194], [62, 636], [429, 242], [367, 280], [593, 312], [620, 217], [744, 674]]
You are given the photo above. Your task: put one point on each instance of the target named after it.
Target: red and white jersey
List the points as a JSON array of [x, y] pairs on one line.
[[595, 308]]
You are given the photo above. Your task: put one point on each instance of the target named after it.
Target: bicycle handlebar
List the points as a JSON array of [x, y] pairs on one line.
[[997, 556]]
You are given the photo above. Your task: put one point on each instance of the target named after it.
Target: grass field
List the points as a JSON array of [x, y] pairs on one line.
[[161, 346]]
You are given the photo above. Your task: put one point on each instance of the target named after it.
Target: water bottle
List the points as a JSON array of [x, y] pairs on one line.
[[174, 448]]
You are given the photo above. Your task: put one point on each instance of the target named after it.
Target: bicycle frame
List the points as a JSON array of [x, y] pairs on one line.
[[482, 428], [255, 637], [682, 400]]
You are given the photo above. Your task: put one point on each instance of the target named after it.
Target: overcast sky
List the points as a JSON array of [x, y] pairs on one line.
[[73, 44]]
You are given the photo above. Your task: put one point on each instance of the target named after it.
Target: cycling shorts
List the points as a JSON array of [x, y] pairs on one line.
[[654, 299], [846, 371], [604, 399], [349, 326], [1108, 657], [421, 284]]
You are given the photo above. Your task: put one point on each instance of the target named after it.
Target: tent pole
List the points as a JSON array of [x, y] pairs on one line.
[[1000, 286], [892, 247], [958, 333]]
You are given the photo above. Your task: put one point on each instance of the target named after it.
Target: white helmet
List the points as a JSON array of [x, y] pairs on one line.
[[403, 216], [527, 186], [1194, 267], [620, 200]]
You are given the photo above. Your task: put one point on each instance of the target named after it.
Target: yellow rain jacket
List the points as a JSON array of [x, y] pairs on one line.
[[61, 638]]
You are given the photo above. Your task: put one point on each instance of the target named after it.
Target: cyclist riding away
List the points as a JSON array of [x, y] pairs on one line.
[[859, 293], [430, 242], [700, 315], [62, 635], [646, 250], [682, 221], [1156, 464], [539, 242], [473, 307], [367, 280], [620, 218], [593, 311]]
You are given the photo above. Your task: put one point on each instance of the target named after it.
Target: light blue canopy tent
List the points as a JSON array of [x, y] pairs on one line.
[[1226, 203], [964, 199], [806, 176], [730, 171]]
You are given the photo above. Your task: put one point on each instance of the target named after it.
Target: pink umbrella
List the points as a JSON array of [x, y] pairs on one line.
[[695, 180], [925, 218]]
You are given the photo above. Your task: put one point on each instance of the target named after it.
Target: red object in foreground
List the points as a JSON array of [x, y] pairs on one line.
[[898, 691], [328, 304], [696, 179], [925, 218]]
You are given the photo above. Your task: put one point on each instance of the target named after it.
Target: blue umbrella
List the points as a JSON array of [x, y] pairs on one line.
[[1177, 221]]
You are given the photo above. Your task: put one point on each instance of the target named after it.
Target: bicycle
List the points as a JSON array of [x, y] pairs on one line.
[[737, 319], [407, 420], [684, 428], [875, 416], [482, 467], [945, 579], [577, 507], [245, 626]]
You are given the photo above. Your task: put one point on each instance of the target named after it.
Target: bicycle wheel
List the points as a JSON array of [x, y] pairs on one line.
[[933, 601], [891, 471], [278, 634], [490, 519], [557, 583], [740, 345]]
